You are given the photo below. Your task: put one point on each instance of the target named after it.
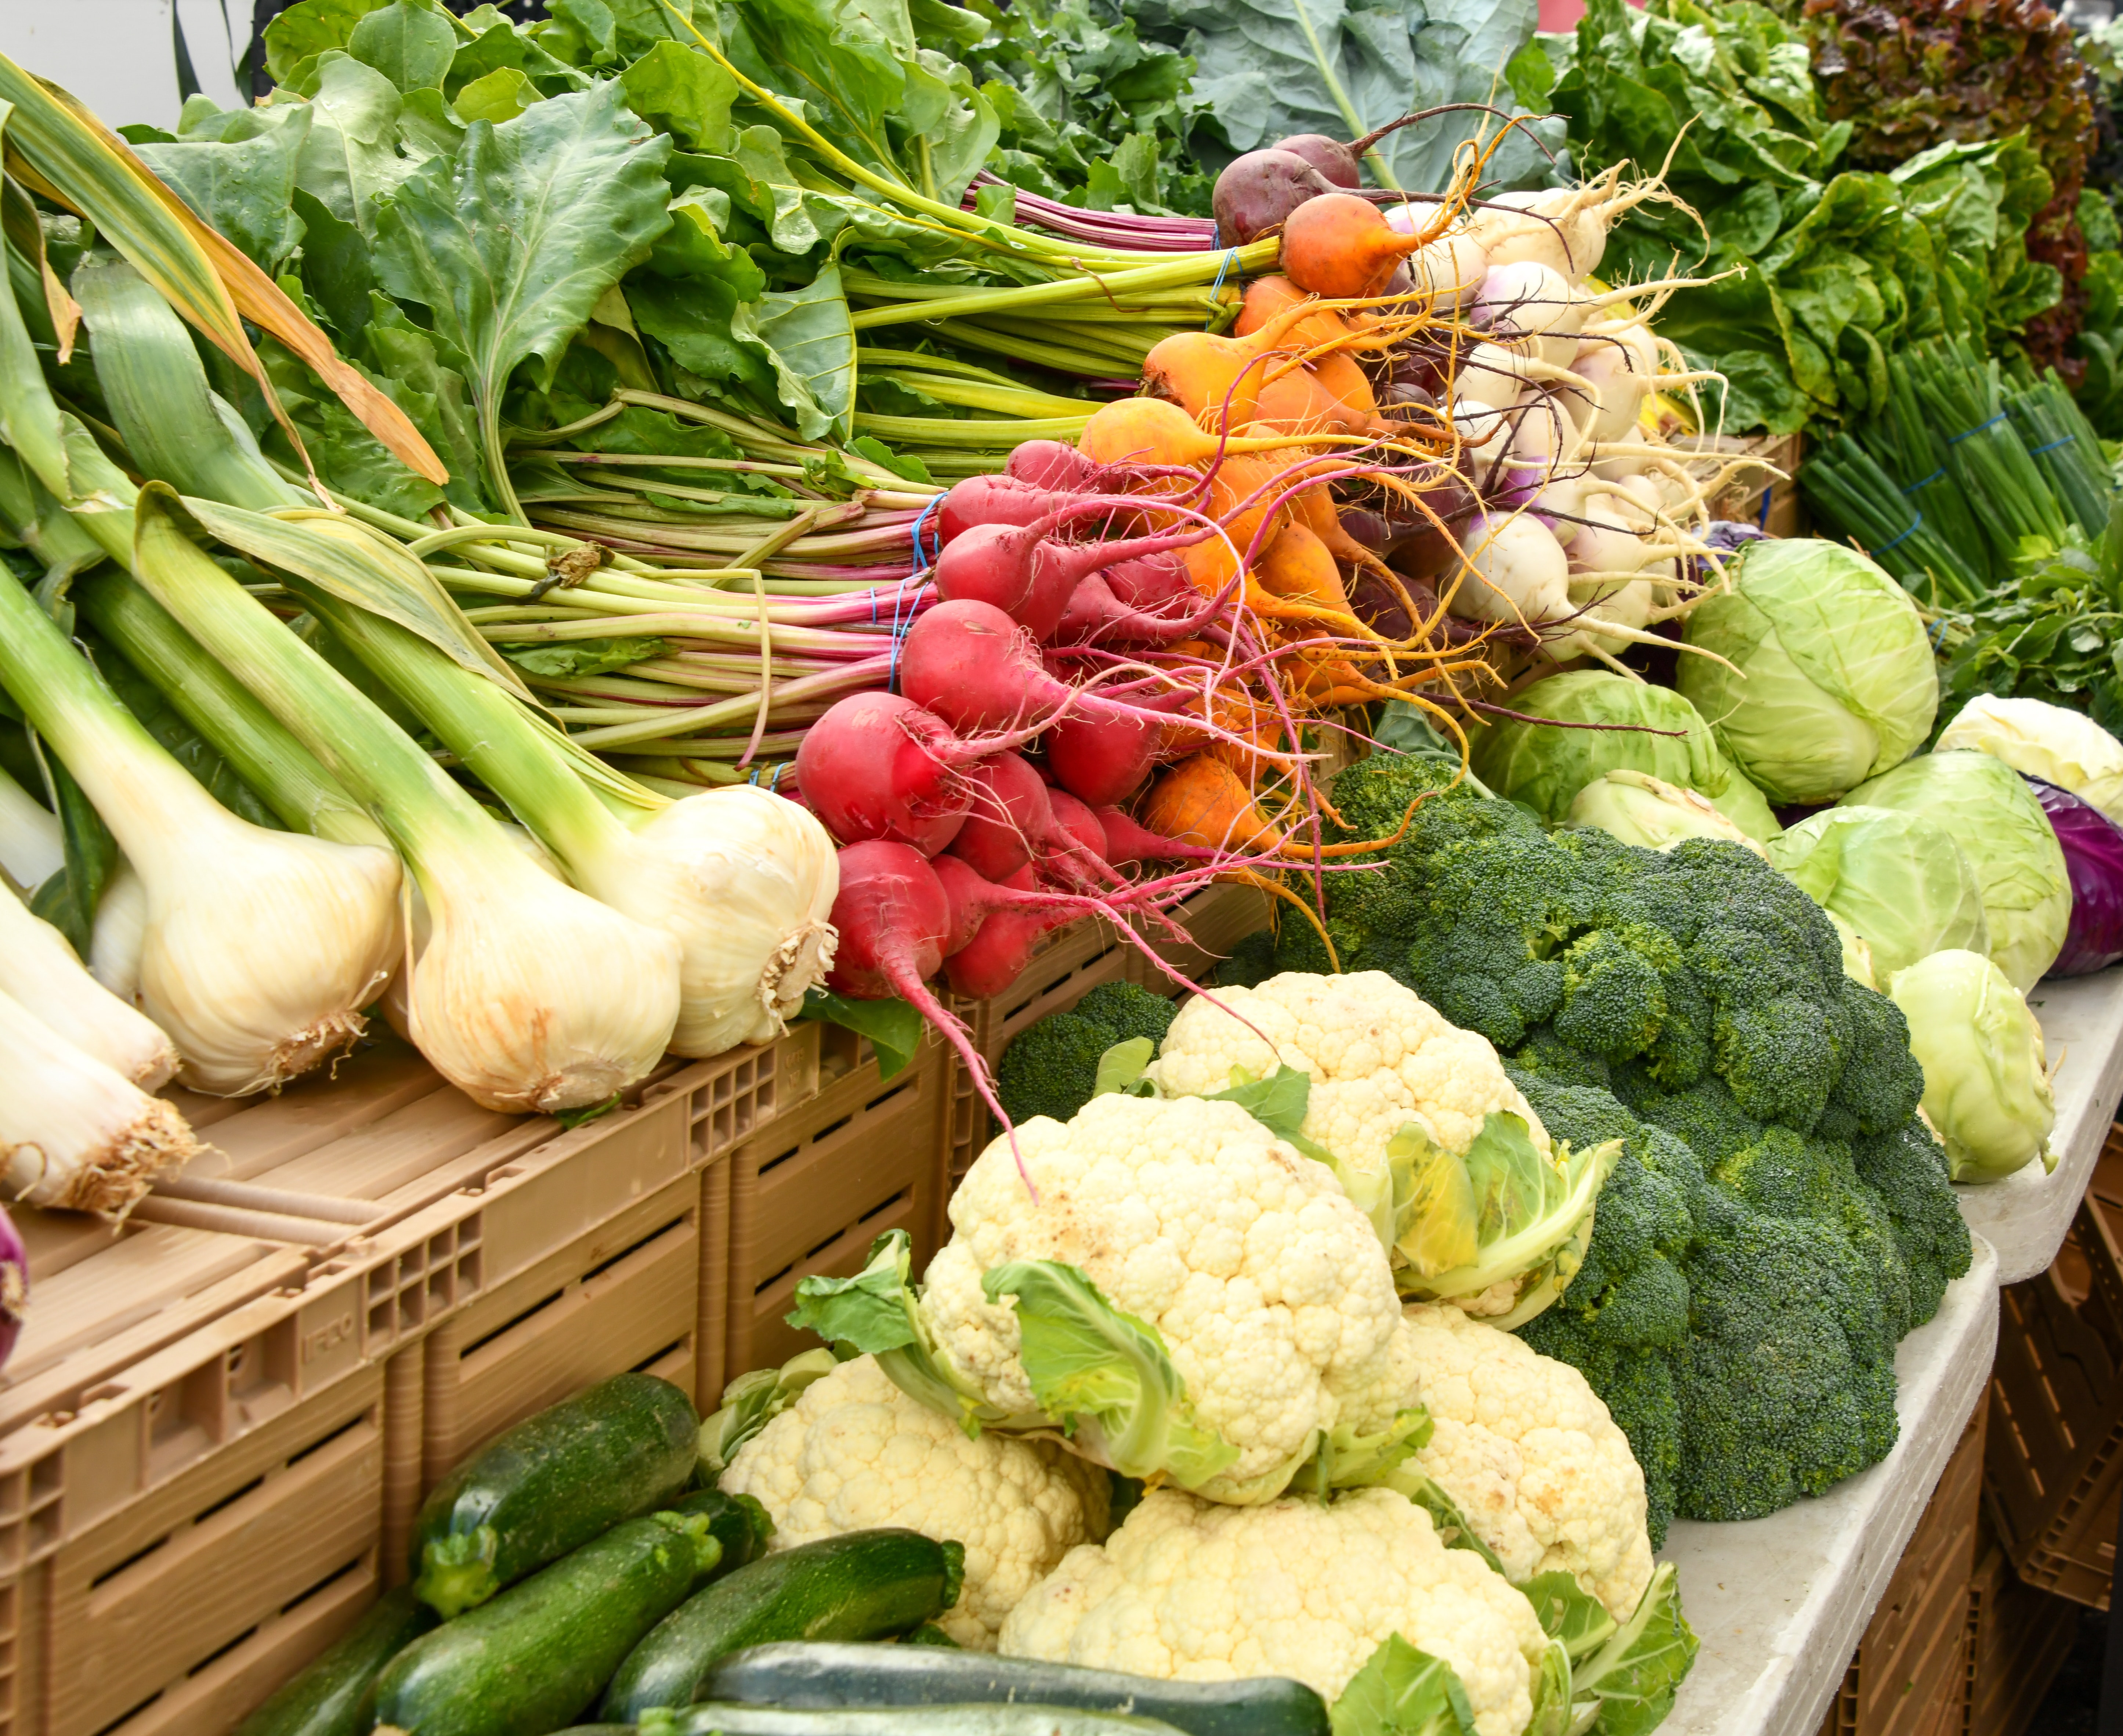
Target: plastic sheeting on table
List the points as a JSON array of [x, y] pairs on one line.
[[2024, 1216], [1780, 1604]]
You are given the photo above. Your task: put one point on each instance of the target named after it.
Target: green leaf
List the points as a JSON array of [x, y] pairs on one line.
[[1569, 1614], [426, 128], [336, 270], [500, 44], [751, 1401], [592, 20], [1636, 1675], [510, 246], [243, 187], [350, 160], [1091, 1366], [899, 464], [1279, 1103], [1120, 1069], [69, 899], [872, 1313], [810, 340], [1447, 1519], [895, 1030], [501, 94], [686, 93], [433, 394], [584, 656], [306, 30], [1401, 1692], [411, 45]]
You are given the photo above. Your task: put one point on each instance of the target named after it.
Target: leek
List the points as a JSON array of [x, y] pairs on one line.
[[73, 1133], [527, 996], [743, 879], [40, 970], [262, 947]]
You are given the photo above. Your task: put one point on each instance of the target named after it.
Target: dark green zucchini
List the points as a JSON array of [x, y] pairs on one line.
[[532, 1659], [737, 1522], [928, 1720], [929, 1634], [818, 1676], [330, 1698], [549, 1485], [866, 1585]]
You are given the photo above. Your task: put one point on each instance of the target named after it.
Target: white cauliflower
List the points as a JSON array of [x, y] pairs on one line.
[[1420, 1122], [1529, 1453], [1271, 1294], [854, 1452], [1188, 1591]]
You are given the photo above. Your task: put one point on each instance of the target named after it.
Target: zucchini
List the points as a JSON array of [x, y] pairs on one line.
[[929, 1634], [930, 1720], [864, 1585], [532, 1659], [898, 1675], [737, 1522], [549, 1485], [330, 1697]]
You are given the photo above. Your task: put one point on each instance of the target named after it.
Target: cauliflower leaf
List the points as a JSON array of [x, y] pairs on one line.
[[1402, 1691]]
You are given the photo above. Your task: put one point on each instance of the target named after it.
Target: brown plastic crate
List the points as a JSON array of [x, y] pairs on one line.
[[1908, 1676], [2018, 1639], [812, 1192], [1756, 498], [2055, 1472]]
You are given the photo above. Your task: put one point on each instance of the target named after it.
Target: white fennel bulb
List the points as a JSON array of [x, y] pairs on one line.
[[39, 970], [74, 1133], [32, 848], [261, 947], [121, 932]]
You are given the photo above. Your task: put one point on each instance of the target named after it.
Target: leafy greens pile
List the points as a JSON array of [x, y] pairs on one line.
[[1842, 266]]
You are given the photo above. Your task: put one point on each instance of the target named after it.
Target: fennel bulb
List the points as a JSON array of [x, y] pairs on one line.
[[262, 947], [742, 879], [41, 971], [32, 848], [74, 1133], [120, 933], [527, 996]]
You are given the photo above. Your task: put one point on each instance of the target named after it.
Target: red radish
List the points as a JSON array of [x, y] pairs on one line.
[[1012, 823], [1102, 759], [894, 916], [877, 766], [1095, 614], [1050, 464], [1076, 819], [1029, 574], [1004, 501], [1151, 580], [1002, 946], [974, 898]]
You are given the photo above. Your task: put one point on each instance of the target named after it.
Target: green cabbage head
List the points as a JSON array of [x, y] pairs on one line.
[[1986, 1090], [1898, 880], [2001, 828], [1650, 730], [1836, 682], [1651, 813]]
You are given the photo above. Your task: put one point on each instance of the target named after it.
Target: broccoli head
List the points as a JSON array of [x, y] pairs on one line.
[[1051, 1067]]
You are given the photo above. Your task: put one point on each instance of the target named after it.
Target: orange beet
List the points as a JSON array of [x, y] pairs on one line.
[[1340, 246]]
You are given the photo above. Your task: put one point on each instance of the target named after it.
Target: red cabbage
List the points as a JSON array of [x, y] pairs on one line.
[[2092, 845]]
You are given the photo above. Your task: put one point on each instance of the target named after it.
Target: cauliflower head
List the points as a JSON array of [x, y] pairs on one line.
[[1531, 1457], [1420, 1124], [1270, 1294], [1186, 1590], [854, 1452]]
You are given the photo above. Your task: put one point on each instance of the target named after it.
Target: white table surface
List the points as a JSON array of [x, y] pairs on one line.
[[1780, 1604], [2025, 1217]]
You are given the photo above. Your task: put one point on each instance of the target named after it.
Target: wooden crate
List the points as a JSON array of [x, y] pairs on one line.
[[2018, 1639], [2055, 1471], [1769, 502], [1908, 1676]]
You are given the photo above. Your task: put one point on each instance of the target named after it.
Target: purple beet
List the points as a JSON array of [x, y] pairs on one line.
[[1330, 157], [14, 1284], [1256, 191]]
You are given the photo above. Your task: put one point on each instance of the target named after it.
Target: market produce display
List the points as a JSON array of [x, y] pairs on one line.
[[589, 540]]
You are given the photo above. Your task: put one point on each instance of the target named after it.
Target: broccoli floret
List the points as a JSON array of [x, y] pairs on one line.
[[1881, 1082], [1253, 959], [1906, 1171], [1613, 990], [1051, 1067]]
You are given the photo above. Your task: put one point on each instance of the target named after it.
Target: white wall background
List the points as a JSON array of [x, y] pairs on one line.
[[116, 55]]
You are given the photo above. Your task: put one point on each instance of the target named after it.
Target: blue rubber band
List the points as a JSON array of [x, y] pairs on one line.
[[780, 766], [1925, 481], [1916, 524], [1222, 272], [2052, 446], [1977, 429], [920, 559], [755, 775], [1762, 518]]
